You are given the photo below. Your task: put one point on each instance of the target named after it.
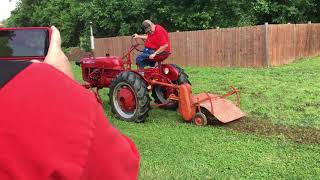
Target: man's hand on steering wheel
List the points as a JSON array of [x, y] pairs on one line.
[[137, 43], [135, 36], [152, 56]]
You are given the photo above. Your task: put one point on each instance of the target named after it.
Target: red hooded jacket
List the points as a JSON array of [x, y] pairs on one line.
[[53, 128]]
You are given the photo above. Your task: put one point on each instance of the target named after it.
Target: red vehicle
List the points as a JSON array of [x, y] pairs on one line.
[[129, 89]]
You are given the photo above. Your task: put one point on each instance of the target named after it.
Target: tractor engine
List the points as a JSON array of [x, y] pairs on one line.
[[100, 71]]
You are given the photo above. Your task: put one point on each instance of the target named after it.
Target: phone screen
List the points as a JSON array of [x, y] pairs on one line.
[[24, 43]]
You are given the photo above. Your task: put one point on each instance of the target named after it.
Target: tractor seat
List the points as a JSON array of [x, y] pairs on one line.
[[162, 56]]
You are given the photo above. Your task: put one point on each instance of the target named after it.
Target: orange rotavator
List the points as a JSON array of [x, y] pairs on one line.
[[168, 84], [196, 108]]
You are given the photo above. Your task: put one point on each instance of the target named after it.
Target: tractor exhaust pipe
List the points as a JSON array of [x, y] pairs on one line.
[[92, 41], [91, 37]]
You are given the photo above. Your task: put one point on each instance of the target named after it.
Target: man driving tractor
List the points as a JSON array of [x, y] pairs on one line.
[[156, 42]]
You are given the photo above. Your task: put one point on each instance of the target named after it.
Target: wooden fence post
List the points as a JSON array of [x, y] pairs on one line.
[[310, 52], [294, 42], [266, 45]]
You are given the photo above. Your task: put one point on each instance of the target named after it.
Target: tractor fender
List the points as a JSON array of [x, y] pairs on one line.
[[173, 73], [136, 72]]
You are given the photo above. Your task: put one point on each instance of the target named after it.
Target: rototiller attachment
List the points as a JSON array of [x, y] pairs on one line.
[[198, 108]]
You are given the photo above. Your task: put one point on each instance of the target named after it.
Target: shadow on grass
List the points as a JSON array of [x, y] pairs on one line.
[[304, 135]]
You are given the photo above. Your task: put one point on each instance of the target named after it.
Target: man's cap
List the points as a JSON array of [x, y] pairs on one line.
[[147, 25]]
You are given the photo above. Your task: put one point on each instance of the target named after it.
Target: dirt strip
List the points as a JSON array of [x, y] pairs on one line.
[[251, 125]]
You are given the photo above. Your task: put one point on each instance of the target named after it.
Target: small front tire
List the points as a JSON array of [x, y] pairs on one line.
[[200, 119]]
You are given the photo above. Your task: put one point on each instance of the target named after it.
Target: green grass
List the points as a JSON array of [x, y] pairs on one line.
[[287, 95]]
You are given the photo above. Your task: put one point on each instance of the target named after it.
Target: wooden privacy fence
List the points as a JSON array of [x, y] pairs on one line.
[[257, 46]]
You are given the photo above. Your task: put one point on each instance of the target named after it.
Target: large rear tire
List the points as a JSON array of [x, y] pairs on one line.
[[161, 97], [128, 96]]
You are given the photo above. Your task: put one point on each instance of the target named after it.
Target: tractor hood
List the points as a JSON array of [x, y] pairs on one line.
[[103, 62]]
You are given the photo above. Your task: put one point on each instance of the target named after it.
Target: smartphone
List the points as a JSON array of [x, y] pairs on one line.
[[24, 43]]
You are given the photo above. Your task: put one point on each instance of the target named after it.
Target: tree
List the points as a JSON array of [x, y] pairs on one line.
[[124, 17]]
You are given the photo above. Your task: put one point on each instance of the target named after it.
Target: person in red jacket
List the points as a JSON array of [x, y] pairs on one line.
[[53, 128], [156, 42]]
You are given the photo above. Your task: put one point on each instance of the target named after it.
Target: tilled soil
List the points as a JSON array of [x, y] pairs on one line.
[[305, 135]]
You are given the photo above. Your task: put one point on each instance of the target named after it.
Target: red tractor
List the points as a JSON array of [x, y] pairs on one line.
[[129, 89]]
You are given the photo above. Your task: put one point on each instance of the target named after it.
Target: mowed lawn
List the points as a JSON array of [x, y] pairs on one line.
[[282, 141]]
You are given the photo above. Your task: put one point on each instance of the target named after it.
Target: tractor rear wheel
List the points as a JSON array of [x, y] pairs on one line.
[[128, 96], [161, 95]]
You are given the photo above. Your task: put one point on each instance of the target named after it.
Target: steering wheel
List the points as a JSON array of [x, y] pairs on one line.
[[137, 44]]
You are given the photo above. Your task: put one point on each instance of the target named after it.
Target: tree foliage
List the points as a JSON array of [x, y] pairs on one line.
[[124, 17]]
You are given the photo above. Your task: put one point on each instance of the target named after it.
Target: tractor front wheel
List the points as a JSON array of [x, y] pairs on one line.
[[200, 119], [128, 96]]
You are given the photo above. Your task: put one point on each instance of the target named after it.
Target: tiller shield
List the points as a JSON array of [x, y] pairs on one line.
[[221, 108], [196, 108], [191, 106]]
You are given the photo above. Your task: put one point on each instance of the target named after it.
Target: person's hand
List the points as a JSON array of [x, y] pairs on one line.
[[152, 56], [55, 56], [135, 36]]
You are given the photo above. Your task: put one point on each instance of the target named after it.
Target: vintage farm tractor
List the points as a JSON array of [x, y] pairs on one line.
[[168, 84], [129, 89]]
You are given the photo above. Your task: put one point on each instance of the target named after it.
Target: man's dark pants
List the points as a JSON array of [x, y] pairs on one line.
[[143, 59]]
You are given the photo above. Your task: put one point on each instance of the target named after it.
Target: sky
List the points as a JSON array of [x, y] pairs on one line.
[[6, 6]]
